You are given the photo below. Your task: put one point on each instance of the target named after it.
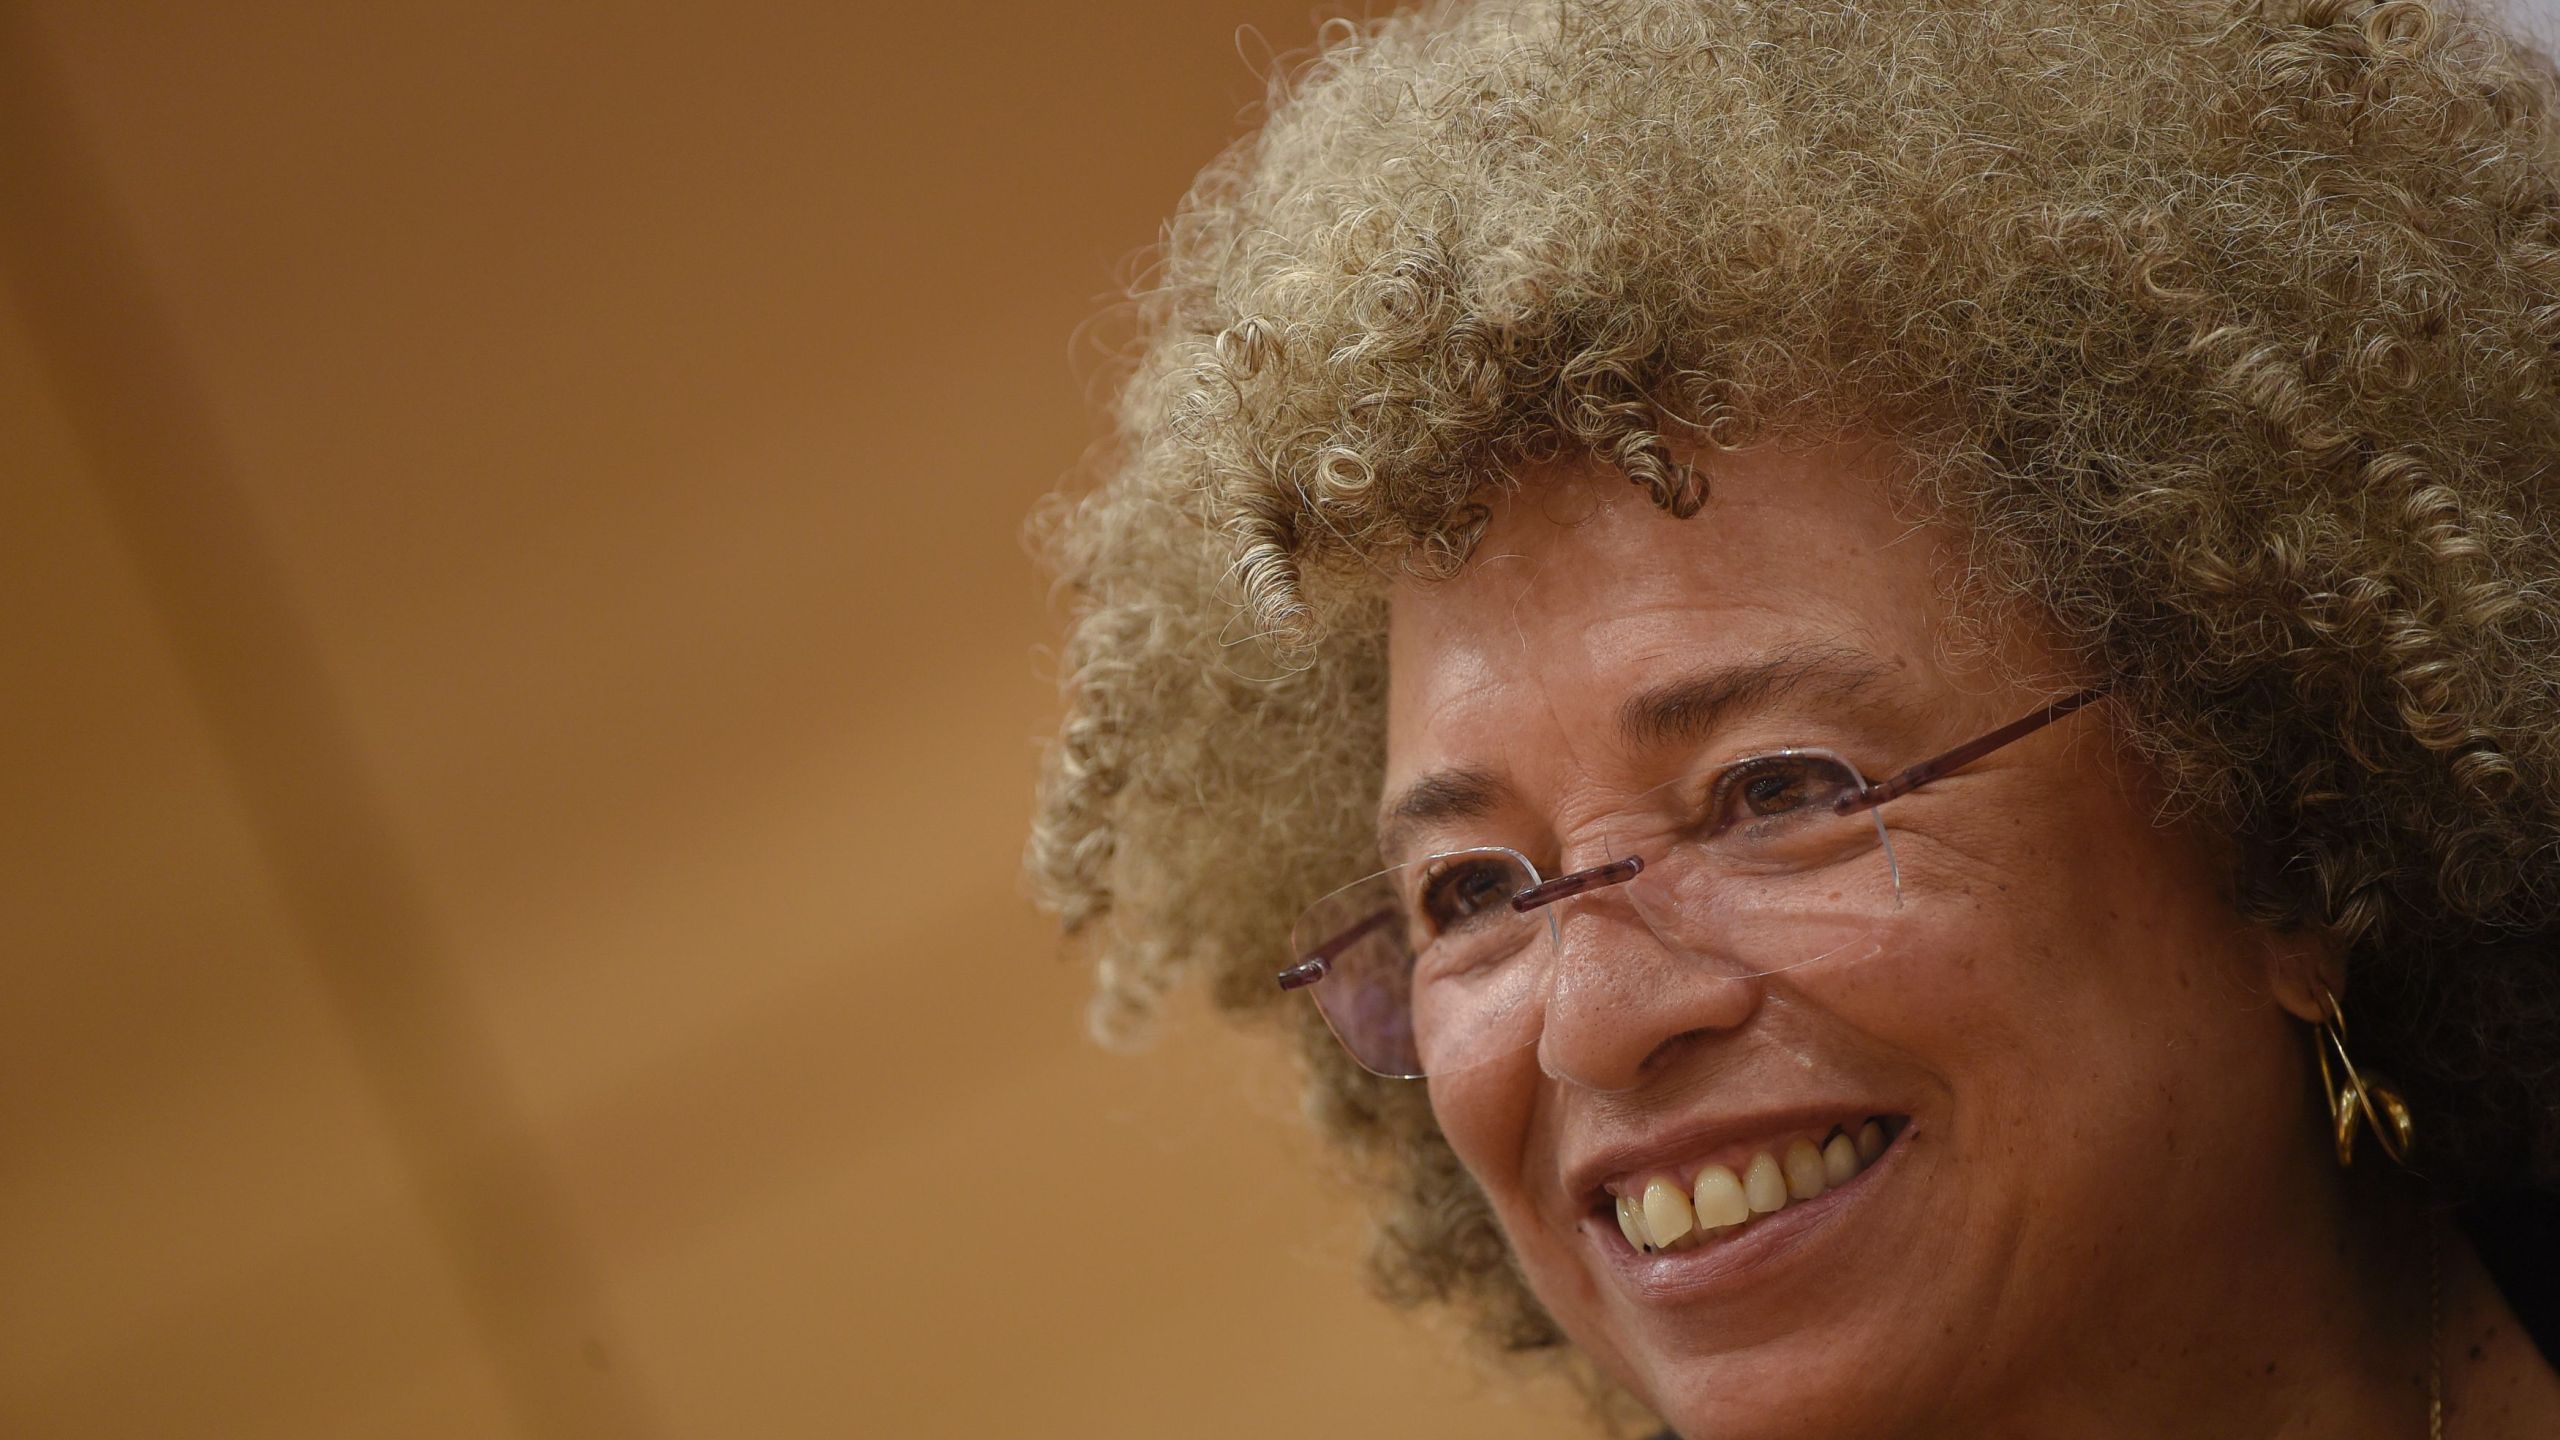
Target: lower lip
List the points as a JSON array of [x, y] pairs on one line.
[[1761, 1244]]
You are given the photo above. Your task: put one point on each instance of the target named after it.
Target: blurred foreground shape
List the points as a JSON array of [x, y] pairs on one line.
[[521, 690]]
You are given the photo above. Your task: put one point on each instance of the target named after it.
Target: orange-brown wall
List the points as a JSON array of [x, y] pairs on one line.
[[519, 687]]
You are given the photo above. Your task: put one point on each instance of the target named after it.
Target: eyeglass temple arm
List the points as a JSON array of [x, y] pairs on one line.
[[1317, 963], [1965, 754]]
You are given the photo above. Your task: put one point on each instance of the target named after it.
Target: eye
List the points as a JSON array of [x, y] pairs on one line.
[[1773, 791], [1773, 788], [1463, 891]]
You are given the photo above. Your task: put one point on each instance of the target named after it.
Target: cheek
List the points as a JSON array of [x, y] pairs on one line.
[[1499, 1121], [2084, 995], [1489, 1113]]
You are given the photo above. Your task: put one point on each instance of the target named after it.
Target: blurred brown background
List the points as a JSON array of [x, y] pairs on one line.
[[519, 688]]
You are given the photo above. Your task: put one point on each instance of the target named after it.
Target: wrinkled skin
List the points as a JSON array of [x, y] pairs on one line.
[[2114, 1210]]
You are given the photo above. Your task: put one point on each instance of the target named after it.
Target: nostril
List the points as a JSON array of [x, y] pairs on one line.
[[1670, 1052]]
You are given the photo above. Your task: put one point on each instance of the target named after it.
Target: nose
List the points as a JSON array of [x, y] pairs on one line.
[[1621, 1002]]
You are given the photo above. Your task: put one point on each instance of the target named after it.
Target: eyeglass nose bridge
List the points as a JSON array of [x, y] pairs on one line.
[[1543, 896], [1598, 877], [1538, 901], [1315, 966]]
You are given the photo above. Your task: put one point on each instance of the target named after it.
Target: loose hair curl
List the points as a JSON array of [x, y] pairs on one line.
[[2225, 332]]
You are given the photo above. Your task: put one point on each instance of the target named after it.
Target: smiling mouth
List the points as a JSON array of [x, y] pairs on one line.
[[1665, 1213]]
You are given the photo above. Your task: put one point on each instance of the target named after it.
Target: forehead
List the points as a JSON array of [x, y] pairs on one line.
[[1583, 594]]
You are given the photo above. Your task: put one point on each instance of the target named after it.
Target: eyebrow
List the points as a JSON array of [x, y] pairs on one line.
[[1456, 794], [1683, 709], [1688, 708]]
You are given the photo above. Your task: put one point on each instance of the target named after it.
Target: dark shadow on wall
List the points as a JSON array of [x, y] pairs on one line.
[[159, 466]]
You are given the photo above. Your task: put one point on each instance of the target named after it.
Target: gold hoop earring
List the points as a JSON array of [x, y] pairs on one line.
[[2362, 1097]]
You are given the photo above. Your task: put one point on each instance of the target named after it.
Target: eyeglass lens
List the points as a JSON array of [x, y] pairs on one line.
[[1427, 967]]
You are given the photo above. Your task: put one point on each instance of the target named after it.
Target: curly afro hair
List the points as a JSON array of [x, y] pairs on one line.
[[2224, 329]]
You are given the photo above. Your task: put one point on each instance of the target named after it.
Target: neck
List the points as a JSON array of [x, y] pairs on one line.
[[2326, 1333], [2303, 1314], [2497, 1384]]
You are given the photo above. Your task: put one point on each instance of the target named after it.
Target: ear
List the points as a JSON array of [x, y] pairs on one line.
[[2300, 963]]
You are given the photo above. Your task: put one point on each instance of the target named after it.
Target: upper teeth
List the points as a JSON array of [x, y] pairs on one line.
[[1662, 1214]]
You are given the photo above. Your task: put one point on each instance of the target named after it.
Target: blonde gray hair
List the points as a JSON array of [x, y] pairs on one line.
[[2224, 331]]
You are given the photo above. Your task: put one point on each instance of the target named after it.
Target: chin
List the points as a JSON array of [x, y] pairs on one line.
[[1844, 1379]]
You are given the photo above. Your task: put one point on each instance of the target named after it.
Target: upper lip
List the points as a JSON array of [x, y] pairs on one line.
[[1666, 1147]]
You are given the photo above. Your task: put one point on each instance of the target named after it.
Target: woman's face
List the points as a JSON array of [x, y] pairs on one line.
[[2100, 1116]]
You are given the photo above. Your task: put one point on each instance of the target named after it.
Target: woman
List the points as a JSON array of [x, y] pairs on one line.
[[1891, 672]]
